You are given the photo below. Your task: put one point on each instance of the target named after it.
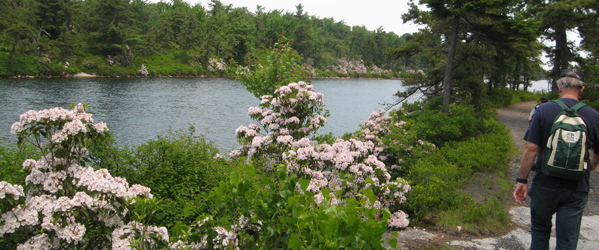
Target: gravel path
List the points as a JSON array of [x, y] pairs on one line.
[[515, 118]]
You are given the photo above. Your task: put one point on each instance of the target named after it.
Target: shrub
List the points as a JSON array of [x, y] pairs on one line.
[[11, 159], [277, 211], [394, 145], [435, 187], [480, 153], [439, 128], [19, 65], [181, 169], [66, 204], [436, 178], [348, 167], [280, 68]]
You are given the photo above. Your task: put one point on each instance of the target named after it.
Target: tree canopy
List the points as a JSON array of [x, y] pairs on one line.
[[91, 34], [465, 50], [467, 45]]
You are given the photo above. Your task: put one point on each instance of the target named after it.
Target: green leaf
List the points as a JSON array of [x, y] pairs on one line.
[[369, 181], [234, 178], [348, 240], [188, 210], [291, 201], [244, 186], [266, 181], [251, 170], [326, 192], [393, 241], [294, 242], [386, 214], [369, 194], [285, 194], [304, 183]]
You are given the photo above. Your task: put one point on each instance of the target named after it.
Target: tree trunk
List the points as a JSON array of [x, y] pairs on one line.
[[449, 68], [562, 54], [14, 47]]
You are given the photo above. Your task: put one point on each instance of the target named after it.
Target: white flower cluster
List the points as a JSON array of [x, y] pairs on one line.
[[122, 236], [40, 241], [398, 220], [15, 190], [99, 183], [379, 125], [224, 239], [354, 160], [349, 166], [17, 217], [292, 113], [63, 196], [216, 64], [349, 67], [70, 122]]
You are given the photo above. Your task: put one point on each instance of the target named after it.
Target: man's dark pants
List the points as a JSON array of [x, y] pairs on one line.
[[568, 204]]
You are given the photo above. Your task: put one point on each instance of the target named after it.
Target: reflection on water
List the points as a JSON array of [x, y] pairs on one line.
[[138, 109]]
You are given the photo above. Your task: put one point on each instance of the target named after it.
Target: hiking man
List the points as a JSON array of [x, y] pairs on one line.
[[542, 100], [550, 193]]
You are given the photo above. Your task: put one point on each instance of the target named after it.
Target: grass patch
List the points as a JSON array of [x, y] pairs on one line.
[[461, 187], [475, 219]]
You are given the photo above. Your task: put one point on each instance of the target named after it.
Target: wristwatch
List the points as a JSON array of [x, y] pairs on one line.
[[525, 181]]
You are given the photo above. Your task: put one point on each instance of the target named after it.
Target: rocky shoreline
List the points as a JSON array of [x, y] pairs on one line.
[[86, 75]]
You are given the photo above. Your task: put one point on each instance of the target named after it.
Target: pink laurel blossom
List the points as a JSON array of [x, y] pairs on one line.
[[16, 127], [14, 190], [101, 127], [398, 220], [40, 241]]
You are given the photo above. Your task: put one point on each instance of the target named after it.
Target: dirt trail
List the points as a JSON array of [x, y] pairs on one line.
[[515, 118]]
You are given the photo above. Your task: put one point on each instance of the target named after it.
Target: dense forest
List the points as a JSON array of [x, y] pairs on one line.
[[476, 45], [40, 37]]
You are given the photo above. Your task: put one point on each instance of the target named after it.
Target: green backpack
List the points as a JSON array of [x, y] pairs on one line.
[[565, 155]]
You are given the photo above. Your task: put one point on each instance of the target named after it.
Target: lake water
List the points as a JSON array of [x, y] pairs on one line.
[[139, 109]]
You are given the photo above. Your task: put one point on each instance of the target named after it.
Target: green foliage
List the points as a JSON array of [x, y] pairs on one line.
[[327, 138], [437, 178], [504, 97], [19, 65], [170, 65], [138, 32], [501, 98], [143, 210], [181, 169], [280, 68], [291, 218], [435, 188], [591, 89], [439, 128], [11, 160], [475, 217]]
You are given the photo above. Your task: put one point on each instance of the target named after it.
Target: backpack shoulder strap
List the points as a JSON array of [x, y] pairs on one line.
[[561, 104], [574, 108], [578, 106]]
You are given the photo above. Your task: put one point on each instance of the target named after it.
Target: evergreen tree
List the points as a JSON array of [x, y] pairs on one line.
[[557, 17]]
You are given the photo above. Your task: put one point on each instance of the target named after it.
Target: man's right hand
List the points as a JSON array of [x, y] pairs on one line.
[[521, 192]]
